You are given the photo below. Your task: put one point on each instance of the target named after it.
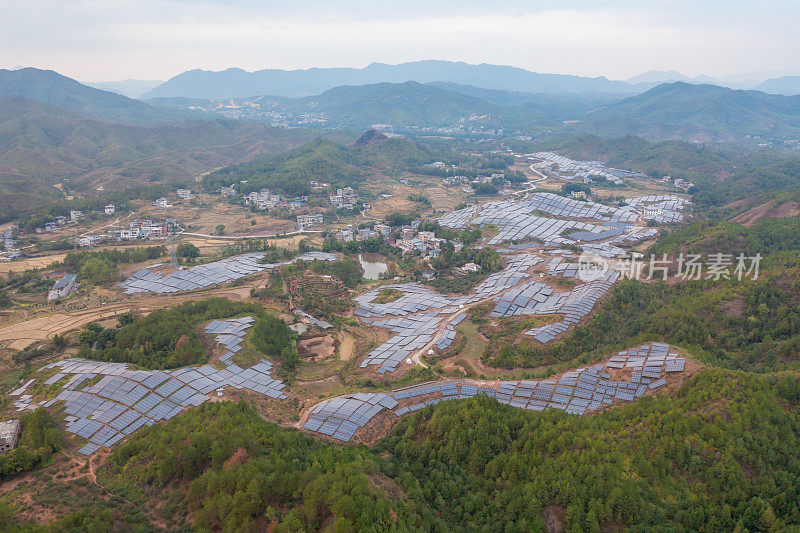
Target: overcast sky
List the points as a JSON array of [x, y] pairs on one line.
[[98, 40]]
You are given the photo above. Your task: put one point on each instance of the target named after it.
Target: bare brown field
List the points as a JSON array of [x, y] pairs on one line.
[[31, 262], [26, 330], [767, 210]]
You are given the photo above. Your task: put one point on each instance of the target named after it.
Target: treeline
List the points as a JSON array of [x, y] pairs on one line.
[[719, 455], [242, 473], [28, 222], [346, 269], [755, 178], [40, 441], [100, 267], [765, 236], [291, 173], [366, 246], [167, 338], [467, 236]]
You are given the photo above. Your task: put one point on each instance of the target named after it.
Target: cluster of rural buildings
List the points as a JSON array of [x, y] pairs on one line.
[[264, 199], [146, 230], [344, 198], [408, 238], [10, 250]]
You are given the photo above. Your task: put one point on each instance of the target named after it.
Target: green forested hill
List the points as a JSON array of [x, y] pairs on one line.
[[42, 146], [51, 88], [699, 113], [322, 160], [720, 454], [402, 104]]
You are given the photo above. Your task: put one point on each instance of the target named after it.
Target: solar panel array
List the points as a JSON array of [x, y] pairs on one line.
[[340, 417], [230, 334], [413, 333], [603, 250], [571, 169], [418, 324], [517, 221], [579, 392], [459, 219], [201, 276], [574, 305], [415, 298], [560, 206], [517, 224], [522, 300], [106, 402], [660, 208]]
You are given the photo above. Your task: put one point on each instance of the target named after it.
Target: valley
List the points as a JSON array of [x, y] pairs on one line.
[[431, 296]]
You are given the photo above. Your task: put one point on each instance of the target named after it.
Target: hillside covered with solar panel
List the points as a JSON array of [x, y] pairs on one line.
[[428, 345]]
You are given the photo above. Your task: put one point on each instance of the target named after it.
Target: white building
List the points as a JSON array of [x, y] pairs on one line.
[[153, 231], [344, 235], [471, 267], [75, 215], [89, 240], [344, 198], [161, 202], [9, 435], [383, 229], [304, 221], [110, 209], [186, 194], [63, 287]]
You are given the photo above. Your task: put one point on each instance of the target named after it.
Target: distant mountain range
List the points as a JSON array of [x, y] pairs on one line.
[[239, 83], [787, 85], [679, 110], [661, 76], [130, 88]]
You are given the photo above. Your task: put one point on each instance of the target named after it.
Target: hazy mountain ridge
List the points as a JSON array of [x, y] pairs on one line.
[[238, 83], [41, 145], [699, 113], [54, 89], [129, 87]]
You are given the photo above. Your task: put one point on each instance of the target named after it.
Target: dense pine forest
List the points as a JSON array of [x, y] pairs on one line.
[[721, 454]]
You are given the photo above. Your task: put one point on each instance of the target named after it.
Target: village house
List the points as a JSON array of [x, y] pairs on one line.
[[10, 431], [304, 221], [63, 287]]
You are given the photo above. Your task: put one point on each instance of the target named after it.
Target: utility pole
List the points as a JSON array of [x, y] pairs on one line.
[[173, 257]]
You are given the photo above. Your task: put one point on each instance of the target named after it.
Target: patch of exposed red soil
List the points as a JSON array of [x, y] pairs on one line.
[[785, 209]]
